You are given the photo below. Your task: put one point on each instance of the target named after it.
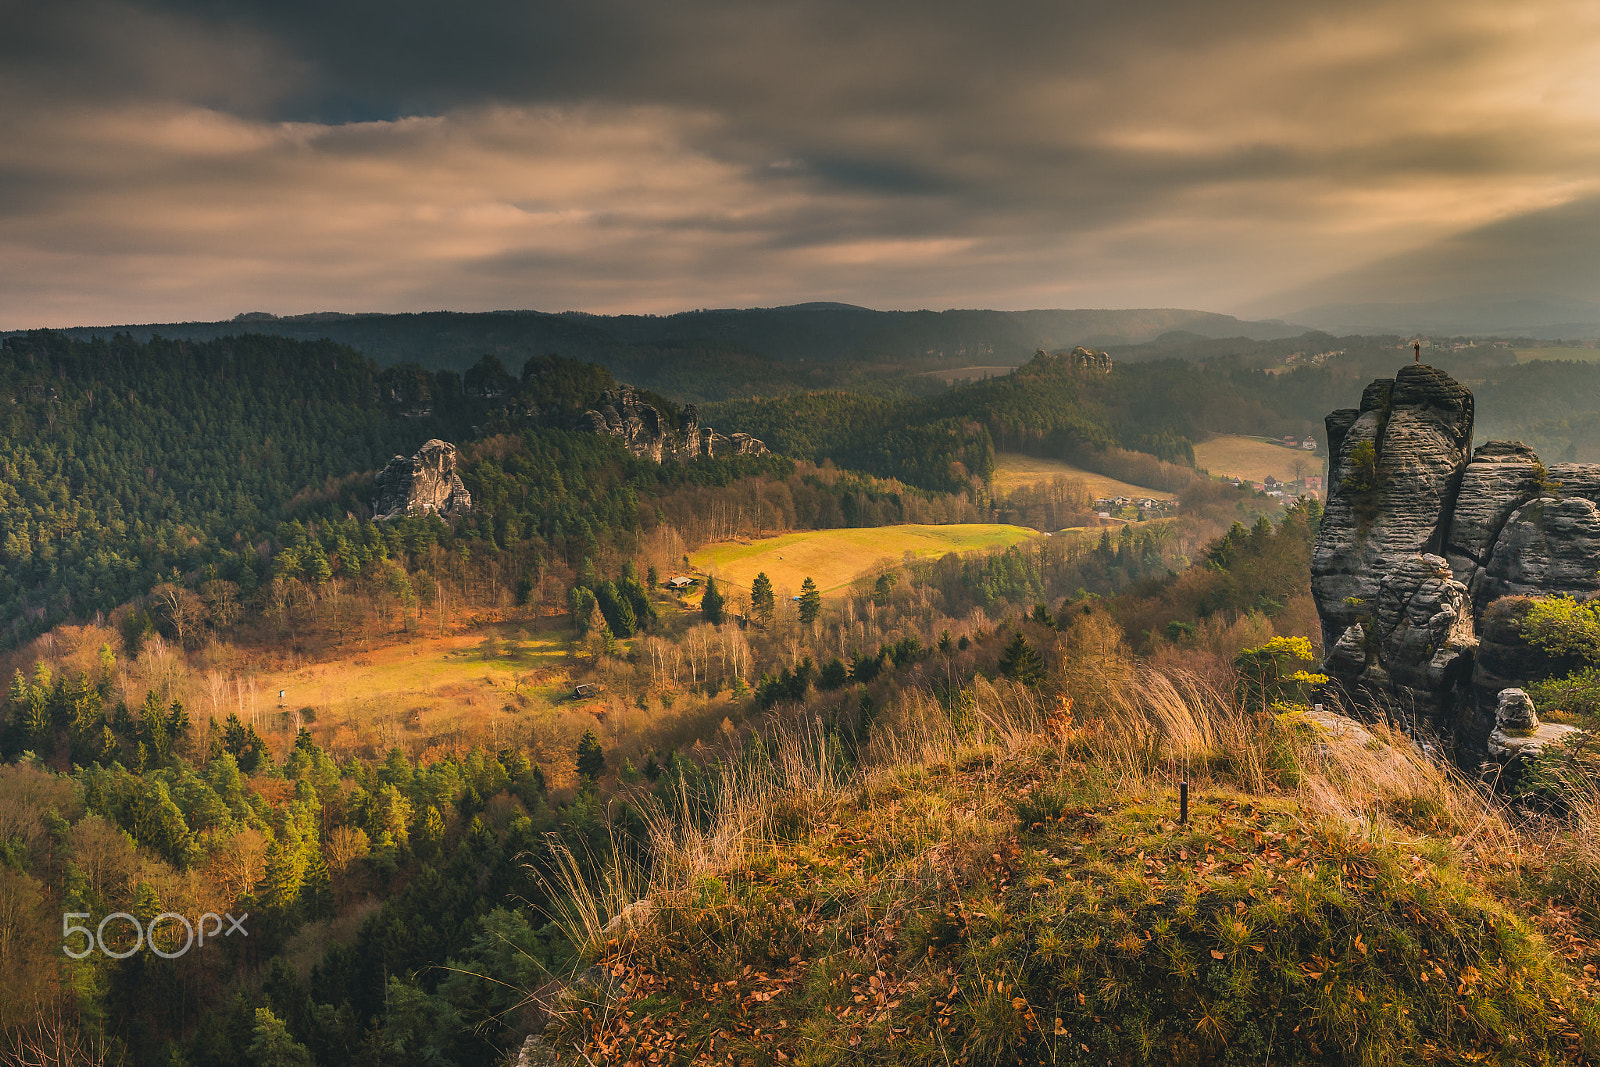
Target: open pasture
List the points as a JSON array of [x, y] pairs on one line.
[[1012, 470], [1253, 458], [835, 558], [495, 679], [1582, 355], [970, 374]]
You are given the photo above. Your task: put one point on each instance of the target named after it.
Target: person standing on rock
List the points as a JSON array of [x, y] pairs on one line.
[[1416, 348]]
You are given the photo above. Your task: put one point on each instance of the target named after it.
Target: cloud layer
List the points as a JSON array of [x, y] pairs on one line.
[[192, 160]]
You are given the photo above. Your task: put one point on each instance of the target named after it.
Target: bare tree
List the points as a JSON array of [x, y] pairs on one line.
[[105, 857], [182, 609]]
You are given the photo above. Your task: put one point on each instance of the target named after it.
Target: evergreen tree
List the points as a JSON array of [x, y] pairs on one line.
[[271, 1045], [1020, 662], [761, 598], [591, 757], [430, 833], [711, 603], [810, 602]]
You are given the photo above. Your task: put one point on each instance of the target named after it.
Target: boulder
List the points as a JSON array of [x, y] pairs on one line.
[[1518, 733], [426, 483]]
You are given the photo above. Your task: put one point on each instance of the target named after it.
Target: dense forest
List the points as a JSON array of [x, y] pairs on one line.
[[128, 464]]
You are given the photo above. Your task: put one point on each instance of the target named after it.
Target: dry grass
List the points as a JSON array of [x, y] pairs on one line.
[[996, 879], [415, 692], [835, 558], [1252, 459], [1012, 470]]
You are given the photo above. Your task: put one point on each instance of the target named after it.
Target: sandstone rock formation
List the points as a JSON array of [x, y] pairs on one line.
[[644, 430], [426, 483], [1420, 541], [1518, 731]]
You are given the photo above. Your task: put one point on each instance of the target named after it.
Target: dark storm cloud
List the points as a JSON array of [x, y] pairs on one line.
[[192, 158]]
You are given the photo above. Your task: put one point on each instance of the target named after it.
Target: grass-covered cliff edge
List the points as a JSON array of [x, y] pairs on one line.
[[1003, 878]]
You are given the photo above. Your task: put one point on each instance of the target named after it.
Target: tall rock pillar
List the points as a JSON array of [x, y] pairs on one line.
[[1394, 619]]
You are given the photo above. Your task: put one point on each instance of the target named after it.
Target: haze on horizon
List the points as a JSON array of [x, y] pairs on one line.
[[180, 159]]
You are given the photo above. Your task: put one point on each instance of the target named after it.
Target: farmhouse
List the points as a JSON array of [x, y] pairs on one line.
[[1309, 444], [680, 583]]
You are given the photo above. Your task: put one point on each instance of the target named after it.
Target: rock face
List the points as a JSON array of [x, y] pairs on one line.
[[644, 430], [1518, 731], [1421, 537], [426, 483], [1409, 440]]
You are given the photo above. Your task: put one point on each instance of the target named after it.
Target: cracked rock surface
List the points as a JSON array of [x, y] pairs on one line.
[[425, 483], [1422, 536]]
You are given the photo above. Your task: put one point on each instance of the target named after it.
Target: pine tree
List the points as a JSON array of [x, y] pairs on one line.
[[810, 602], [1020, 662], [761, 598], [271, 1045], [430, 832], [591, 757], [711, 603]]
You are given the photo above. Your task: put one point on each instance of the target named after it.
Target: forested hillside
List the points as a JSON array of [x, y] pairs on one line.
[[128, 464], [724, 353], [1139, 422]]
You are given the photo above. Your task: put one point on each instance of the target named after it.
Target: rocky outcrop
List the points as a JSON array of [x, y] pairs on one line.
[[1081, 358], [644, 430], [426, 483], [1421, 541], [1396, 465], [639, 426], [1518, 731], [1500, 479]]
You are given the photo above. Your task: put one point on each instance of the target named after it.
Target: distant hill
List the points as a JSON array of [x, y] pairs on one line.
[[1540, 315], [1535, 274], [713, 354]]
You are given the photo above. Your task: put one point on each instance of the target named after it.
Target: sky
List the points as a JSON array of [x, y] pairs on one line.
[[193, 159]]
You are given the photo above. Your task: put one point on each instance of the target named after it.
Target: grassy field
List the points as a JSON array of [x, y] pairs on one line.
[[1012, 471], [834, 558], [1583, 355], [971, 374], [1253, 459], [497, 678]]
